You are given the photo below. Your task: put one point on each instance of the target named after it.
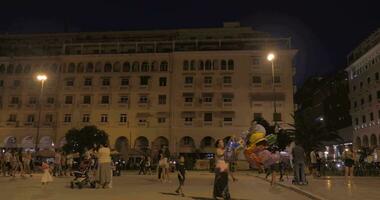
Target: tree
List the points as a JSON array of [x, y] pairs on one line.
[[86, 137], [312, 135]]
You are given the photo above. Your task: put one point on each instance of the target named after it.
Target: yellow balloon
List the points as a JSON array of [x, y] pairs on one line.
[[256, 137]]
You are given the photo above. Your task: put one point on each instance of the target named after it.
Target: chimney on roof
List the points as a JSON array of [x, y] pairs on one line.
[[231, 24]]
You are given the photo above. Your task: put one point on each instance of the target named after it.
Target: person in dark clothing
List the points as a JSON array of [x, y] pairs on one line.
[[299, 164], [181, 175], [142, 165]]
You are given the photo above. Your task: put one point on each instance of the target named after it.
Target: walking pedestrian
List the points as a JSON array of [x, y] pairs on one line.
[[104, 171], [161, 167], [63, 164], [181, 175], [14, 164], [299, 164], [46, 176]]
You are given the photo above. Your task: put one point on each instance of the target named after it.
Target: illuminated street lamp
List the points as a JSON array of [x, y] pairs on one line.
[[271, 57], [42, 78]]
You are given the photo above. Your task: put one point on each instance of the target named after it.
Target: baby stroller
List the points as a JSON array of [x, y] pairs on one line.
[[83, 177]]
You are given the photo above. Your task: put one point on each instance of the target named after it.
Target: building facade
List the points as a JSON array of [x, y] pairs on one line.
[[364, 83], [183, 88]]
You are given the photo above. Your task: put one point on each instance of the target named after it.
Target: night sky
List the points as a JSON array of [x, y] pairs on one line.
[[323, 31]]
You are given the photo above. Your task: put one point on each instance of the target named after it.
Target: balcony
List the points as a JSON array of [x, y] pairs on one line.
[[31, 106], [207, 104], [226, 123], [207, 124], [47, 124], [144, 87], [29, 124], [87, 88], [143, 105], [207, 86], [143, 124], [123, 104], [124, 87], [103, 105], [105, 87], [12, 123], [188, 85], [188, 104], [14, 105], [68, 88], [188, 124], [227, 85], [49, 105], [85, 105], [124, 124], [227, 104]]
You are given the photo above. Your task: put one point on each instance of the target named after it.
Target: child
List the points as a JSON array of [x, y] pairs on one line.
[[46, 176], [181, 175]]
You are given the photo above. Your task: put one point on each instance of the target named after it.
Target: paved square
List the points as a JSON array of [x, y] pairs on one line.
[[134, 187]]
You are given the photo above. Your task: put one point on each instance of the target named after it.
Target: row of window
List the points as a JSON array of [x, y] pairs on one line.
[[88, 67], [208, 65], [362, 100], [361, 84], [124, 99], [145, 80], [364, 118], [104, 118]]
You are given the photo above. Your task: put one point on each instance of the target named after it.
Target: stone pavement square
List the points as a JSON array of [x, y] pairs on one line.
[[129, 186]]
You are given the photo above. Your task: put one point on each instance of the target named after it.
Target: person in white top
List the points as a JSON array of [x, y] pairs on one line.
[[313, 163], [104, 166]]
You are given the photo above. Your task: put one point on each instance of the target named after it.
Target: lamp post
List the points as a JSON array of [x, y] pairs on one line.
[[271, 58], [41, 78]]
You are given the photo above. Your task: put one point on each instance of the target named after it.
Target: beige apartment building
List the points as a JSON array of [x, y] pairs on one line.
[[183, 88], [364, 83]]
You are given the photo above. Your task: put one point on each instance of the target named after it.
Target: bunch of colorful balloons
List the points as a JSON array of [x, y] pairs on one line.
[[254, 142]]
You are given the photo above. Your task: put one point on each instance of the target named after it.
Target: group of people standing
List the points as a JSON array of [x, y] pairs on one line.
[[16, 162]]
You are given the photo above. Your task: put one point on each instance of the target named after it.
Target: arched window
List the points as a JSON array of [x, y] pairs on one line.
[[135, 66], [27, 69], [185, 65], [98, 67], [108, 67], [223, 65], [80, 68], [145, 67], [116, 67], [154, 66], [71, 68], [208, 65], [373, 140], [192, 65], [230, 64], [126, 67], [90, 67], [2, 69], [164, 66], [18, 69], [215, 65], [10, 69], [201, 65]]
